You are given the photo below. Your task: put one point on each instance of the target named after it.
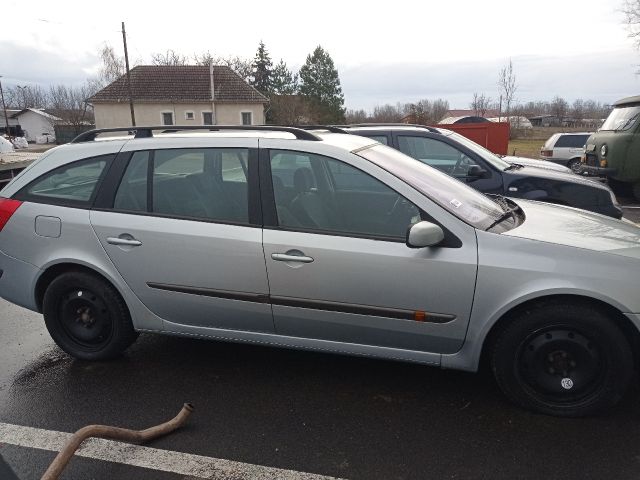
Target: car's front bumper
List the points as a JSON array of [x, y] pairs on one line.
[[596, 171]]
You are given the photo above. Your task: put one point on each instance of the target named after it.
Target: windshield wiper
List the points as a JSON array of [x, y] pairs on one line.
[[504, 204], [511, 212], [513, 166], [631, 119]]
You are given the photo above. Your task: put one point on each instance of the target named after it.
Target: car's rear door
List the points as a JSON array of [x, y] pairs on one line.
[[182, 228], [338, 265]]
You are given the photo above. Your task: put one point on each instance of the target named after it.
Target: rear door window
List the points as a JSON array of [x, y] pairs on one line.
[[207, 184]]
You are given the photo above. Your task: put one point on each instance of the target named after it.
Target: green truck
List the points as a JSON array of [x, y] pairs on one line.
[[614, 150]]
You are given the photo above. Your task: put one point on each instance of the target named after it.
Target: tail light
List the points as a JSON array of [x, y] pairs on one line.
[[546, 153], [8, 207]]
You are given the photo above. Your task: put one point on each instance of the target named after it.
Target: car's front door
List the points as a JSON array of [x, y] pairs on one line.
[[338, 265], [450, 159], [180, 233]]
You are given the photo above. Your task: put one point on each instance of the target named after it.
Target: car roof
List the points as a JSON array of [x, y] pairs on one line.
[[627, 101]]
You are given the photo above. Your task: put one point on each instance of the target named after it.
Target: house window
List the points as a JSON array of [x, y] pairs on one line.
[[207, 118], [167, 118], [188, 116], [246, 118]]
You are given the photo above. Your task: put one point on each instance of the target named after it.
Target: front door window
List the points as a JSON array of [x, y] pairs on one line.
[[437, 154]]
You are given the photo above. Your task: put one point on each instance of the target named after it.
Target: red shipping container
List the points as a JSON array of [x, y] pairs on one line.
[[491, 135]]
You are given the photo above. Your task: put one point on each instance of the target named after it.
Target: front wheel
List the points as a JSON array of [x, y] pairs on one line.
[[87, 317], [563, 360], [575, 165]]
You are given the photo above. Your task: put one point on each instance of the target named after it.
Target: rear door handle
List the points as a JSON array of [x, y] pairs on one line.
[[132, 242], [285, 257]]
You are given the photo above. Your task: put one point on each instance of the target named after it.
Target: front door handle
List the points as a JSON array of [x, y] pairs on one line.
[[285, 257], [131, 242]]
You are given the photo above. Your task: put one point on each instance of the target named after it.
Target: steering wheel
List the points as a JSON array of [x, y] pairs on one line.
[[400, 205], [458, 164]]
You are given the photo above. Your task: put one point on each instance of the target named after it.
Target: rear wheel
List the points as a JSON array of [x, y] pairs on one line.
[[87, 317], [564, 360]]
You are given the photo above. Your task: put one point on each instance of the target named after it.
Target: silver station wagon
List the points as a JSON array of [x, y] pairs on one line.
[[323, 241]]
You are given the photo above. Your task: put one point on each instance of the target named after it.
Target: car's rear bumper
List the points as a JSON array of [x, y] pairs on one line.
[[17, 282]]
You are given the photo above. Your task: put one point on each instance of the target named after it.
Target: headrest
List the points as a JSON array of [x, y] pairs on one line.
[[303, 179]]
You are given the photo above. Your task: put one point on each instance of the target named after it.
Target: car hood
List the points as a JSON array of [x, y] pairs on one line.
[[530, 162], [527, 172], [577, 228]]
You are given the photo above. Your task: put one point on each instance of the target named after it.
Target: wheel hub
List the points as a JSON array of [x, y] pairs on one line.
[[85, 317], [561, 362]]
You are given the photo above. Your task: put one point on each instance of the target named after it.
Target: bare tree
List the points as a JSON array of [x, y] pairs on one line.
[[26, 96], [240, 65], [559, 108], [356, 116], [111, 69], [508, 86], [438, 110], [631, 11], [480, 104], [169, 58], [70, 103], [387, 113], [577, 110]]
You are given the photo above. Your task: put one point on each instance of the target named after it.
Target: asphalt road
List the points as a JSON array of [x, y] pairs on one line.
[[306, 412]]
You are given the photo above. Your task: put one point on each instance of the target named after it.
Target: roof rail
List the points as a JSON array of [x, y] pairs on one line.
[[147, 132], [390, 124], [329, 128]]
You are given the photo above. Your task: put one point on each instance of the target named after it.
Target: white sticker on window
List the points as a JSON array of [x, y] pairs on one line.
[[456, 203]]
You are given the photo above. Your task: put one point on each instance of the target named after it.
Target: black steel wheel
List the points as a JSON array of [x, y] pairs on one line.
[[565, 360], [575, 165], [87, 317]]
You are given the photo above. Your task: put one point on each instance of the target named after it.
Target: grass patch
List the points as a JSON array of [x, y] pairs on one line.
[[525, 147]]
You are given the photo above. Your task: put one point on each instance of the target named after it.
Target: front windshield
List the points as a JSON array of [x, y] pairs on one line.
[[463, 201], [621, 118], [488, 155]]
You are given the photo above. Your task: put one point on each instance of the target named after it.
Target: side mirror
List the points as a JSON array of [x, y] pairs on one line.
[[424, 234], [476, 171]]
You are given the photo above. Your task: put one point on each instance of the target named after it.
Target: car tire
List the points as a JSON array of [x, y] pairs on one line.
[[86, 316], [575, 165], [567, 360]]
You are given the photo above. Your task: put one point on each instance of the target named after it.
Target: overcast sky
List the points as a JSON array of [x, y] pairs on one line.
[[385, 52]]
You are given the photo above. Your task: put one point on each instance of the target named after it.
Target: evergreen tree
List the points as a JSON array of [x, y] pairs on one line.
[[261, 70], [321, 85], [283, 81]]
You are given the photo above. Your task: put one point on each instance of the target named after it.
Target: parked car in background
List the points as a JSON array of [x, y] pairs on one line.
[[565, 149], [485, 171], [614, 150], [278, 236]]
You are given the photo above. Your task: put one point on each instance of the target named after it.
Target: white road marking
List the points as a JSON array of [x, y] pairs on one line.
[[153, 458]]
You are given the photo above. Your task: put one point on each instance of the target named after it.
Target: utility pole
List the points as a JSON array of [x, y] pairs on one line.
[[4, 108], [126, 62]]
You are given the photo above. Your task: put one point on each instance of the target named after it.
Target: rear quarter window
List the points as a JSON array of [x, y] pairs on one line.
[[571, 141], [73, 184]]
